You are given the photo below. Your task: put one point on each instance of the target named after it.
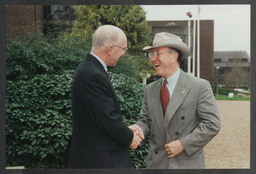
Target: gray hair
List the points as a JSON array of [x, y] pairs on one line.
[[106, 35]]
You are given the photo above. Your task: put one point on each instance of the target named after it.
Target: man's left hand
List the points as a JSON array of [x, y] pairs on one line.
[[173, 148]]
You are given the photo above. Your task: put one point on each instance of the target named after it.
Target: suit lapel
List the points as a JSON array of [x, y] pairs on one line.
[[180, 91], [157, 107]]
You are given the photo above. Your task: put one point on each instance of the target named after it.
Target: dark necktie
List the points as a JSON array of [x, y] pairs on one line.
[[110, 77], [164, 96]]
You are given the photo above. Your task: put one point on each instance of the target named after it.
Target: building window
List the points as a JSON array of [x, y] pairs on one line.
[[59, 12], [58, 18], [217, 60]]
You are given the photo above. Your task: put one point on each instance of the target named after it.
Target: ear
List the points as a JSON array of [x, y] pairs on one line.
[[176, 55], [109, 49]]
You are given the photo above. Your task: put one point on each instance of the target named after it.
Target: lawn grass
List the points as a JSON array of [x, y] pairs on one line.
[[224, 97]]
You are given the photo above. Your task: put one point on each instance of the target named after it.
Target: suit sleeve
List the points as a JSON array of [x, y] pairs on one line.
[[209, 125], [97, 96], [144, 121]]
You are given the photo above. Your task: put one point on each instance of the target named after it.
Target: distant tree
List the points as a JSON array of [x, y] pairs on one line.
[[237, 76], [130, 18]]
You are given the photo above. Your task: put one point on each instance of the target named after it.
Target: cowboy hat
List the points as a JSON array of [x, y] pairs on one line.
[[165, 39]]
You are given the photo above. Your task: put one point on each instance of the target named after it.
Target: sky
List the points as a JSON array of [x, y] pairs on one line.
[[231, 22]]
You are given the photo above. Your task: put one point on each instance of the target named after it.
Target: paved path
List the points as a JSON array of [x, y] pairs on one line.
[[231, 147]]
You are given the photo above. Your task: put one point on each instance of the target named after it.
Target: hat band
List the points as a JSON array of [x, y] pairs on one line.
[[161, 41]]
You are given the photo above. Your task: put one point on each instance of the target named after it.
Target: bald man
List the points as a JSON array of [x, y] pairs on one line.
[[100, 138]]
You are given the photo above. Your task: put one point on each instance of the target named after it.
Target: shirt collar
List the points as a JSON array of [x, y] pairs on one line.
[[173, 79], [100, 60]]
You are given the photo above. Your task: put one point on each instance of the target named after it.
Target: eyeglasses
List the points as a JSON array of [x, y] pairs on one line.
[[157, 53], [124, 49]]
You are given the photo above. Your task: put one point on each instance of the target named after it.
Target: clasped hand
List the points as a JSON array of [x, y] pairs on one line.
[[138, 136]]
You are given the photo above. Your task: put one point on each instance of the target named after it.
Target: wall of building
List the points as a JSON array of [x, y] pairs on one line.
[[207, 49], [23, 18]]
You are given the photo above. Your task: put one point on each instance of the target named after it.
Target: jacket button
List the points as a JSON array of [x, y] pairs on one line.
[[176, 133], [182, 117], [156, 152]]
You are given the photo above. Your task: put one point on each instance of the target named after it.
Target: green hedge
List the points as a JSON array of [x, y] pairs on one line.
[[36, 54], [38, 120], [130, 94], [223, 91], [38, 104]]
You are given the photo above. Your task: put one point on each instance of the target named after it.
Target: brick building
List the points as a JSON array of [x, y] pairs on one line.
[[20, 18]]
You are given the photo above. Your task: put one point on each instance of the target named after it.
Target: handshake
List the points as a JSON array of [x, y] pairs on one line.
[[138, 136]]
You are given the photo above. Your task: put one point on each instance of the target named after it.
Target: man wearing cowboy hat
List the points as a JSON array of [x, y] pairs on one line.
[[179, 112]]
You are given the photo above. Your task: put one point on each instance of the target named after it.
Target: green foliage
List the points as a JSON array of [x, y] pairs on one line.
[[38, 104], [139, 157], [225, 97], [130, 94], [133, 66], [142, 65], [35, 54], [124, 66], [38, 120], [90, 17], [224, 91]]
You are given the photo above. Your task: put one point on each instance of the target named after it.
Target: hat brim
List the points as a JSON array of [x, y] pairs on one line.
[[172, 44]]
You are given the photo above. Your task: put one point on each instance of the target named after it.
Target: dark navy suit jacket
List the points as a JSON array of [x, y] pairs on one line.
[[100, 138]]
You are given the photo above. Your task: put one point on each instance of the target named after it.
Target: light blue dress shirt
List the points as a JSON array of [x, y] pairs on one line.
[[172, 81], [101, 61]]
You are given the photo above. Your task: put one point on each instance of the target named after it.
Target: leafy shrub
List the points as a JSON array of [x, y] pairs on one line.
[[224, 91], [130, 94], [38, 104], [38, 120], [42, 55], [124, 66], [134, 65]]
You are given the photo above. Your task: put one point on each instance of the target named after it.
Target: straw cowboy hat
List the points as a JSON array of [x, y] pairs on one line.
[[165, 39]]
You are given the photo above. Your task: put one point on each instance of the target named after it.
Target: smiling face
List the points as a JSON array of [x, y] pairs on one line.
[[165, 62]]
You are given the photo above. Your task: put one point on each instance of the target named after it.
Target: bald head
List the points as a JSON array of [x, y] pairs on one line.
[[106, 35]]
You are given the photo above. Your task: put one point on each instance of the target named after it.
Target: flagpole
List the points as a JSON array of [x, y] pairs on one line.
[[189, 45], [194, 48], [198, 44]]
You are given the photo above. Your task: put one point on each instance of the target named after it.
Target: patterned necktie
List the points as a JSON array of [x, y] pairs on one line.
[[110, 77], [164, 96]]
